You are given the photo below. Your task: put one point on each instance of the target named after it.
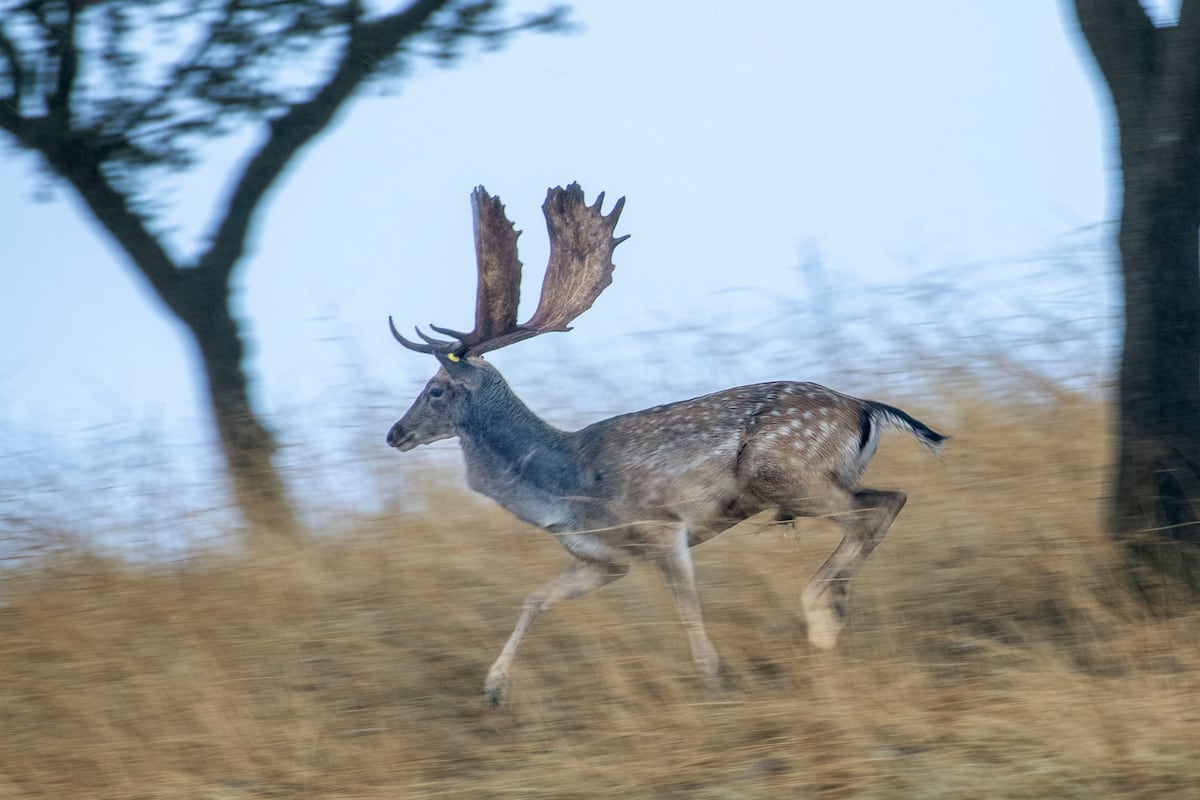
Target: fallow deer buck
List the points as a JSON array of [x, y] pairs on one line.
[[651, 484]]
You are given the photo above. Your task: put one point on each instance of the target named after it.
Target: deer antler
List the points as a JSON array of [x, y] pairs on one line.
[[580, 268], [499, 281], [581, 248]]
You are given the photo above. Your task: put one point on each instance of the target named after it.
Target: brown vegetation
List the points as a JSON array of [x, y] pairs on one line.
[[993, 650]]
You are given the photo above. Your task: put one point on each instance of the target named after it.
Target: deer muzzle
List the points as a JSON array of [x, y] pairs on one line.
[[401, 439]]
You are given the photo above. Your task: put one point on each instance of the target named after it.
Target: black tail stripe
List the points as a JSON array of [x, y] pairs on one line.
[[865, 436], [920, 428]]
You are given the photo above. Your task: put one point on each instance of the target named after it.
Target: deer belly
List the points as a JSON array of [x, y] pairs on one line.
[[544, 512], [590, 547]]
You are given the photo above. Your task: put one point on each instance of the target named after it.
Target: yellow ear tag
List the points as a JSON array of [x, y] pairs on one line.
[[453, 358]]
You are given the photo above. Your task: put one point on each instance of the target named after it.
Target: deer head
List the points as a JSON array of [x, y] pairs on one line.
[[579, 269]]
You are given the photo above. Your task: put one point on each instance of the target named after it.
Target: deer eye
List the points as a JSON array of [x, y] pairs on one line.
[[436, 392]]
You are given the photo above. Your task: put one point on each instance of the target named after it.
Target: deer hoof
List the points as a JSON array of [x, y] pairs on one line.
[[823, 626], [494, 690], [720, 681]]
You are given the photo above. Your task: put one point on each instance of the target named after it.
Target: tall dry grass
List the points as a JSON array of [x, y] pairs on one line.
[[992, 652]]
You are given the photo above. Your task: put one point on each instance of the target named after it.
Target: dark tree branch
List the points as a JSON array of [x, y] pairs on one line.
[[73, 160], [1125, 44], [369, 44], [171, 87], [58, 104], [16, 70], [11, 119]]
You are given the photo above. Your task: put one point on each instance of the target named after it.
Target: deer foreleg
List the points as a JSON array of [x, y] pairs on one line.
[[675, 561], [578, 579]]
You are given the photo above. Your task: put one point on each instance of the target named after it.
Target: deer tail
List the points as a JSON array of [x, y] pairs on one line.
[[891, 417]]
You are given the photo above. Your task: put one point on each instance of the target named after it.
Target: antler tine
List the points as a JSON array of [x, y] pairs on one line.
[[453, 334], [440, 344], [581, 248], [431, 346], [399, 337]]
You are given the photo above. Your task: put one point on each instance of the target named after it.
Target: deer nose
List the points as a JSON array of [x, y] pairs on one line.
[[395, 435], [401, 439]]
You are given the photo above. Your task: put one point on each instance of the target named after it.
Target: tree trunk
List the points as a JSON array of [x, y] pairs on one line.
[[247, 444], [1153, 73], [199, 296], [1156, 510]]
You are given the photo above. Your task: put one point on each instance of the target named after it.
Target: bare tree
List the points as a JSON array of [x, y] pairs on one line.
[[112, 93], [1153, 74]]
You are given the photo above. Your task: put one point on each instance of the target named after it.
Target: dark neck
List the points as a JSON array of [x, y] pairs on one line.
[[512, 454]]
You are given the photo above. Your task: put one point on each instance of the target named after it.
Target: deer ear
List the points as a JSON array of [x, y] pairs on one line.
[[459, 368], [450, 361]]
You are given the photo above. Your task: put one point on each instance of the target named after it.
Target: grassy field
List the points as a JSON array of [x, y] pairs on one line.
[[992, 651]]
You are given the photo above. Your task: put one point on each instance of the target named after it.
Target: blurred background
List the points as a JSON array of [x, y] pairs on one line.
[[914, 204], [811, 196]]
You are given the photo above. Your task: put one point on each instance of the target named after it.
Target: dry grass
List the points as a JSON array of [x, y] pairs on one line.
[[992, 652]]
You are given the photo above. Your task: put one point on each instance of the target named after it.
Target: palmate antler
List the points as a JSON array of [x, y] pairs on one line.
[[580, 268]]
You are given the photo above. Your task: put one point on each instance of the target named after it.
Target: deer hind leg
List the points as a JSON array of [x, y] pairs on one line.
[[865, 516], [576, 580], [675, 563]]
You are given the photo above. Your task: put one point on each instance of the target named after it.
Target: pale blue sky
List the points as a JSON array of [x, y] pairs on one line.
[[896, 137]]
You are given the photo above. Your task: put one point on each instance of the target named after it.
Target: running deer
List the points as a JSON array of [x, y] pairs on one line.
[[651, 484]]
